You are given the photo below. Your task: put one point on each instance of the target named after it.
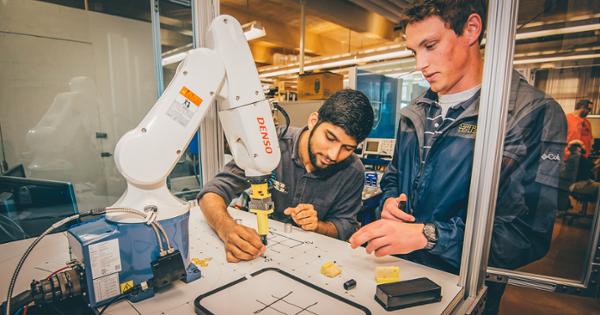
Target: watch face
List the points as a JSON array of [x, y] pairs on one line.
[[430, 234], [429, 231]]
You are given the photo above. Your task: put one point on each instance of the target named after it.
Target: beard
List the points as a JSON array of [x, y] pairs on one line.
[[311, 155]]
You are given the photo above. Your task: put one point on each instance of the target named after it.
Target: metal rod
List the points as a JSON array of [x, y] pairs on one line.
[[211, 133], [302, 35], [155, 19], [495, 94]]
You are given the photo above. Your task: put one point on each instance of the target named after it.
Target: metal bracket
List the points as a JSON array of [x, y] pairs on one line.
[[496, 278], [478, 303]]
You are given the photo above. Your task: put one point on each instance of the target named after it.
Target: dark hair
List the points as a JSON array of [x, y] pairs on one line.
[[582, 103], [350, 110], [574, 145], [454, 13]]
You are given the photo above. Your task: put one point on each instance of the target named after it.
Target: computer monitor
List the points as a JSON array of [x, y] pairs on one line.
[[379, 146], [372, 146], [29, 206]]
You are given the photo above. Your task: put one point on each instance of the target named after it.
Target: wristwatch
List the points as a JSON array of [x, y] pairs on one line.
[[430, 232]]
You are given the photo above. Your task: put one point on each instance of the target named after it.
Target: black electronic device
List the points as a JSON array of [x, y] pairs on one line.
[[402, 294], [16, 171], [29, 206]]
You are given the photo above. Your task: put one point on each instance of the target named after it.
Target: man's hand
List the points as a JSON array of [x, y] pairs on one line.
[[388, 237], [241, 242], [304, 215], [391, 211]]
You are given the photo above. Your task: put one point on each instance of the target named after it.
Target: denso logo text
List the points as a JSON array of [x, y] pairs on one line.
[[264, 134]]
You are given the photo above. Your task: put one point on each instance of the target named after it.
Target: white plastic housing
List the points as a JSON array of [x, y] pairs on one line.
[[146, 155]]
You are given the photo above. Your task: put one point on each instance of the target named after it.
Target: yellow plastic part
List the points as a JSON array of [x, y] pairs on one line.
[[127, 285], [387, 274], [330, 269], [201, 262], [260, 191], [262, 221]]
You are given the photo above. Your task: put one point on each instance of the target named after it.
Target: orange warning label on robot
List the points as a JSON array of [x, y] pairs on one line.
[[191, 96]]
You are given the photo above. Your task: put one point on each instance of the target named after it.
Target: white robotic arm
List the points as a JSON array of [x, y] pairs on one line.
[[122, 254], [147, 154]]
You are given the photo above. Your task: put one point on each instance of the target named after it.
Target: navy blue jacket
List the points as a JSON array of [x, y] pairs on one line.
[[438, 189]]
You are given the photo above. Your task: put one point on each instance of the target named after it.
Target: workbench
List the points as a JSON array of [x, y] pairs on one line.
[[298, 252]]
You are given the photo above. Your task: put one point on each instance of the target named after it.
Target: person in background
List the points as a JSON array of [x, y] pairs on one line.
[[583, 184], [570, 172], [579, 127]]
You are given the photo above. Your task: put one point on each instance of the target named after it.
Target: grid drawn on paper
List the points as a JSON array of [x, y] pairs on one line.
[[277, 242], [281, 300]]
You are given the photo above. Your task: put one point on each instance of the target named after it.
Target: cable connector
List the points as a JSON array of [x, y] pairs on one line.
[[167, 269], [94, 212], [151, 214]]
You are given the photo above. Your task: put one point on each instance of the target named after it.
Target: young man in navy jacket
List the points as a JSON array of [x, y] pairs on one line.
[[434, 152]]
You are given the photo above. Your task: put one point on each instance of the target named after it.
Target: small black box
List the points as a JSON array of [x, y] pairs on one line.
[[397, 295]]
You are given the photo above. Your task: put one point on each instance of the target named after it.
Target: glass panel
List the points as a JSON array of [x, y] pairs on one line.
[[72, 82], [382, 92], [389, 86], [176, 35], [546, 209], [176, 38]]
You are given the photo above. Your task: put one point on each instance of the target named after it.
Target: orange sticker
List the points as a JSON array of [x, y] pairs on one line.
[[197, 100]]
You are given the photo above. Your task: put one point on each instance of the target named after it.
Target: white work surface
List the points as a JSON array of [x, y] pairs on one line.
[[299, 253]]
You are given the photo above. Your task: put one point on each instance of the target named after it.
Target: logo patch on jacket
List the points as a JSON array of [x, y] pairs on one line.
[[551, 156], [468, 129]]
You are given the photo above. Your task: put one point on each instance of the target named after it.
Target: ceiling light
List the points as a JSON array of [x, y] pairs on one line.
[[173, 58], [559, 31], [253, 30], [353, 60], [553, 59]]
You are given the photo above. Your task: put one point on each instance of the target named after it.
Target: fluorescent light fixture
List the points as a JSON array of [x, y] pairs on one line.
[[354, 60], [253, 30], [556, 31], [173, 58], [557, 58], [175, 55], [559, 31]]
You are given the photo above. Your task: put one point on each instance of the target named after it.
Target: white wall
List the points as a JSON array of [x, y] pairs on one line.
[[44, 46]]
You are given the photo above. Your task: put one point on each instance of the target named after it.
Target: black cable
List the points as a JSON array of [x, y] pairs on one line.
[[201, 175], [285, 115], [57, 309], [194, 165], [13, 279], [4, 165], [19, 301], [546, 9], [112, 301]]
